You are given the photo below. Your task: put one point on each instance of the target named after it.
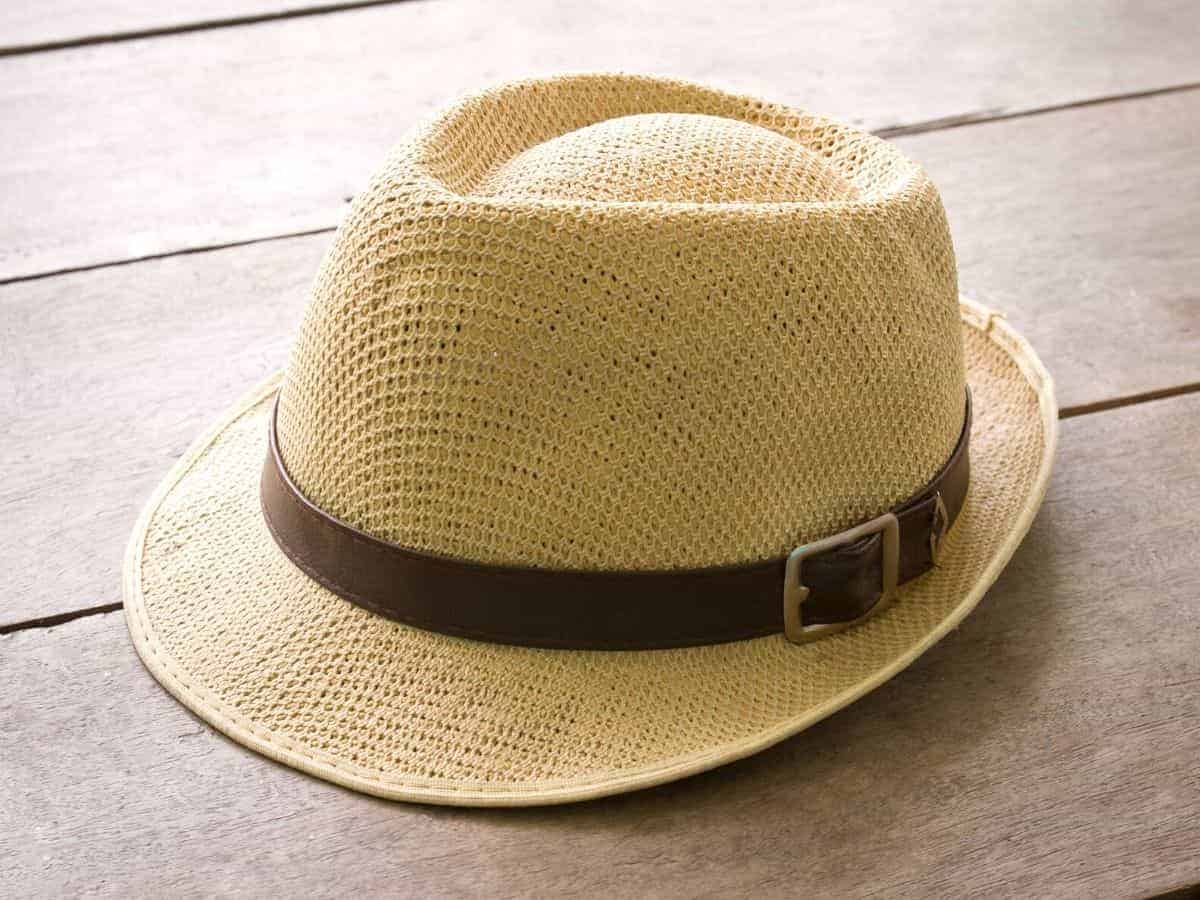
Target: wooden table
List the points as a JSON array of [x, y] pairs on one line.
[[169, 176]]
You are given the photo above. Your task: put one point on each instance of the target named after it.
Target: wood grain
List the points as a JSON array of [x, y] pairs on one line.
[[1083, 226], [31, 25], [137, 148], [106, 376], [1048, 747]]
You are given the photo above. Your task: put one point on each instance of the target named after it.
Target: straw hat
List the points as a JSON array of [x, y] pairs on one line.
[[624, 428]]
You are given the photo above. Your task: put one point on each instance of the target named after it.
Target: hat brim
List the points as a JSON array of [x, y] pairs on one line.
[[245, 640]]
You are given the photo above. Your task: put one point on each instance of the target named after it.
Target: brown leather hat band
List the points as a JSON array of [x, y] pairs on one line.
[[822, 587]]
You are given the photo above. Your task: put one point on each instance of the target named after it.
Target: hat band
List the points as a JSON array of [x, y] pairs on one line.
[[819, 588]]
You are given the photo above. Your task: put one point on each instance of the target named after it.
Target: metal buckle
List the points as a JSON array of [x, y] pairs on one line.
[[795, 592]]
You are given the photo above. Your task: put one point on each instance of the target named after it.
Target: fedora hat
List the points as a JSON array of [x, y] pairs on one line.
[[631, 427]]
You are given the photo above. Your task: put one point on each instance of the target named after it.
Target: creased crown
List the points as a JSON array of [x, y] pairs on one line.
[[625, 322]]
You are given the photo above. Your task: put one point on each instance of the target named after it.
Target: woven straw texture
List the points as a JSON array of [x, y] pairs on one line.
[[593, 322], [250, 644], [755, 347]]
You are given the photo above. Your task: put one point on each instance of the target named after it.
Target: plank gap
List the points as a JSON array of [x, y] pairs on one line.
[[59, 618], [167, 254], [1083, 409], [983, 117], [136, 34], [1187, 892]]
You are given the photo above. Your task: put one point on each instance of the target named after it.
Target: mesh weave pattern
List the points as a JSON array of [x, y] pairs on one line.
[[709, 160], [246, 640], [628, 323]]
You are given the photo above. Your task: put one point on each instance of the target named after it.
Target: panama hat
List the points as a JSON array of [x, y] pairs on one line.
[[632, 427]]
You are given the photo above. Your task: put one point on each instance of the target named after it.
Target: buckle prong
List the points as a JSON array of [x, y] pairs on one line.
[[795, 592], [937, 529]]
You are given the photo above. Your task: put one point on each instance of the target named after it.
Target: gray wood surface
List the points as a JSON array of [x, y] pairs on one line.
[[1048, 747], [123, 150], [1084, 226], [105, 379], [28, 25], [108, 375]]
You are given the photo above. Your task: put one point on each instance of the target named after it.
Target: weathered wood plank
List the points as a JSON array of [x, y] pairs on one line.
[[29, 25], [132, 149], [1083, 227], [106, 376], [1049, 747]]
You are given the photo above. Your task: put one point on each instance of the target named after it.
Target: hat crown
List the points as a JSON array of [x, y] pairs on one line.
[[669, 157], [619, 322]]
